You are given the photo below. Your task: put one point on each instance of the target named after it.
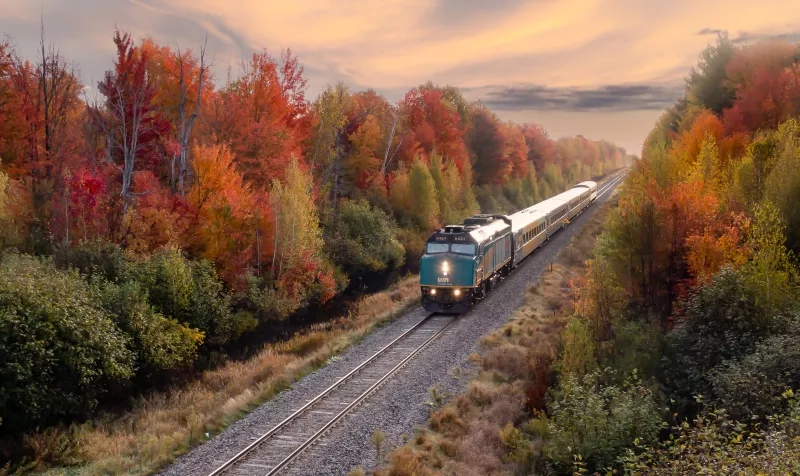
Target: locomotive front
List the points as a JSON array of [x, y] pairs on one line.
[[447, 271]]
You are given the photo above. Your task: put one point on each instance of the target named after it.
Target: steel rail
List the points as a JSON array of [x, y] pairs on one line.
[[241, 454], [358, 400]]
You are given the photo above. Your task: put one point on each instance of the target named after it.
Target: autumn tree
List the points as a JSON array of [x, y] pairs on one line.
[[263, 115], [298, 265], [782, 186], [232, 227], [771, 272], [129, 120], [180, 83], [540, 148], [433, 122], [488, 146]]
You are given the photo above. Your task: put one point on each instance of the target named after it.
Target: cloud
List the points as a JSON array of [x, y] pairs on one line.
[[710, 31], [622, 97], [746, 37], [449, 13]]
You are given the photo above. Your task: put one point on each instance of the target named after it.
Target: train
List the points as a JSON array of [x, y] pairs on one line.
[[462, 263]]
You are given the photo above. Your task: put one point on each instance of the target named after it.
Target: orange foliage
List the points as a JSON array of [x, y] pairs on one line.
[[717, 245], [691, 141], [261, 115], [232, 222], [516, 149], [431, 124], [159, 218]]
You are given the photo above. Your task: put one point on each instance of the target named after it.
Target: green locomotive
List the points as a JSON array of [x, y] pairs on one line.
[[463, 262]]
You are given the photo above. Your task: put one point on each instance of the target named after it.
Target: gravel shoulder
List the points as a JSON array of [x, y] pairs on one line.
[[400, 405]]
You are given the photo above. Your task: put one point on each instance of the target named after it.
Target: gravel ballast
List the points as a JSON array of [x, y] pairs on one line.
[[402, 403]]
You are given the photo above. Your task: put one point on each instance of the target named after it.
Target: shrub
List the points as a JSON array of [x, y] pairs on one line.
[[61, 350], [637, 346], [98, 258], [187, 291], [597, 419], [722, 322], [750, 387], [714, 441], [362, 239], [579, 350], [159, 343]]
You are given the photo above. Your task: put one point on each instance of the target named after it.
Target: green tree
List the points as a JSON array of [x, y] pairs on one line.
[[707, 85], [424, 199], [579, 357], [297, 224], [782, 186], [770, 272]]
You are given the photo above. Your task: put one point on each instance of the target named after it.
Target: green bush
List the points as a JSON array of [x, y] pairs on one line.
[[159, 343], [579, 356], [750, 387], [716, 444], [187, 291], [98, 258], [722, 322], [637, 345], [60, 350], [596, 418], [362, 239]]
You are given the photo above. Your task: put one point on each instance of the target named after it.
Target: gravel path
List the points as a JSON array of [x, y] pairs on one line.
[[402, 403]]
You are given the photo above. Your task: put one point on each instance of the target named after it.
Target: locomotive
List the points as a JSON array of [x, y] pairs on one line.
[[463, 262]]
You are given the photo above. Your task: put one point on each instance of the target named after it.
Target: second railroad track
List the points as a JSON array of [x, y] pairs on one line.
[[277, 448]]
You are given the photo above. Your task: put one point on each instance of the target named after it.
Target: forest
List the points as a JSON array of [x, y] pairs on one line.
[[153, 222], [672, 346]]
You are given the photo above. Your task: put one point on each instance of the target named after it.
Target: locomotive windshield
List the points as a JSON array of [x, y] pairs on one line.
[[463, 248], [437, 248], [460, 248]]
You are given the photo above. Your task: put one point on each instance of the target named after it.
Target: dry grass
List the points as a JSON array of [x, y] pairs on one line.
[[476, 433], [165, 425]]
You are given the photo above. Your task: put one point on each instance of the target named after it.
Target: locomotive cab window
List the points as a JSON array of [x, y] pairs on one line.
[[463, 248], [436, 248]]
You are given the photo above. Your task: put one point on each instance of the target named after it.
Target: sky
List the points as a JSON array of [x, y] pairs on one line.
[[605, 69]]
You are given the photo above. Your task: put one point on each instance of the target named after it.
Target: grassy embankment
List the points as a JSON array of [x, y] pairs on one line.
[[165, 425], [474, 433]]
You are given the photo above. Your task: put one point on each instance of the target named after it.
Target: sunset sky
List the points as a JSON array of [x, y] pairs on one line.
[[602, 68]]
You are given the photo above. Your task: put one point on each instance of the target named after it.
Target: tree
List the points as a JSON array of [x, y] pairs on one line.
[[297, 260], [540, 148], [130, 122], [771, 272], [487, 142], [180, 83], [263, 115], [707, 84], [433, 122], [424, 200]]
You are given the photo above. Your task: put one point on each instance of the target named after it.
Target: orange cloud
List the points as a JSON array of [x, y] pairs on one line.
[[393, 44]]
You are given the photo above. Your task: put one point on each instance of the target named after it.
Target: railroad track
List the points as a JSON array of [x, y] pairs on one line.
[[276, 449]]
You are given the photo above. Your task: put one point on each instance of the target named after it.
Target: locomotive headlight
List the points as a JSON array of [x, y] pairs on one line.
[[457, 292], [445, 267], [433, 291]]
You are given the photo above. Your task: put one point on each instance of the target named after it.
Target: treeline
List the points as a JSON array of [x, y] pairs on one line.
[[146, 228], [680, 353]]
